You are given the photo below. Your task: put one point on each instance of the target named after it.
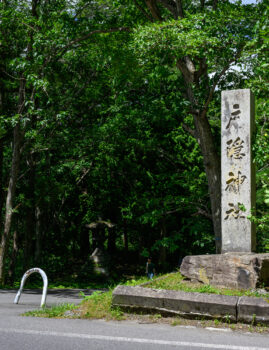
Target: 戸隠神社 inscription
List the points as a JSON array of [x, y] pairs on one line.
[[237, 168]]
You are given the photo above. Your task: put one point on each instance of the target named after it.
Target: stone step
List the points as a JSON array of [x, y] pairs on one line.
[[185, 304]]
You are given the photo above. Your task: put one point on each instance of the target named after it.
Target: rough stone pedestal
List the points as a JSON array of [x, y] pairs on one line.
[[234, 270]]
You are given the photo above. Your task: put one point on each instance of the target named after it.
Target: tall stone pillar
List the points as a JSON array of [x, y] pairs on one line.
[[238, 175]]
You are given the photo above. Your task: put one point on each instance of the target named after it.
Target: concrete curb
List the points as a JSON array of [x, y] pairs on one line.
[[253, 310], [202, 305]]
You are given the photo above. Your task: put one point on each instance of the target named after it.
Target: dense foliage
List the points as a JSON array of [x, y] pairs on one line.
[[98, 127]]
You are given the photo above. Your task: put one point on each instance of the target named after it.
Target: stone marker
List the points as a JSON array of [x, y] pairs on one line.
[[238, 176], [238, 266]]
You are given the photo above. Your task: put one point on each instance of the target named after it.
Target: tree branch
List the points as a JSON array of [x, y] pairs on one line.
[[180, 8], [143, 11], [189, 130], [152, 6], [223, 71], [202, 69], [187, 69], [87, 36], [215, 4], [170, 7], [171, 212], [203, 212]]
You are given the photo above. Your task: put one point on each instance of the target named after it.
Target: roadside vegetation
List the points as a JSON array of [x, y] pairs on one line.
[[99, 305], [175, 281]]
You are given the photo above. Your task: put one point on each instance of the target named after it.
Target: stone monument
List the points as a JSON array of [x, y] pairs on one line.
[[237, 169], [238, 266]]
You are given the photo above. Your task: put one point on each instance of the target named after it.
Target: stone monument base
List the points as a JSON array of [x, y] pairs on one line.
[[234, 270]]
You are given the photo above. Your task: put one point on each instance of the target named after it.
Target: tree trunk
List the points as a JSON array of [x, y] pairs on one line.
[[204, 136], [125, 238], [111, 244], [38, 235], [15, 248], [10, 199], [1, 177], [30, 212], [162, 255], [1, 152], [211, 162], [17, 139], [193, 74], [84, 242]]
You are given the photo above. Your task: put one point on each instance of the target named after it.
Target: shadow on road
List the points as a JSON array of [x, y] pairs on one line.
[[63, 293]]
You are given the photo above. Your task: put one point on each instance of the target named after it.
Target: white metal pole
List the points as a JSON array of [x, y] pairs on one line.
[[45, 285]]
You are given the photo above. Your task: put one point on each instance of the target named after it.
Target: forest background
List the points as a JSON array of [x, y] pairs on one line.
[[110, 130]]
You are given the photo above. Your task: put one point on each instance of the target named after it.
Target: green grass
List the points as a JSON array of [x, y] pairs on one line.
[[58, 311], [175, 281], [99, 304]]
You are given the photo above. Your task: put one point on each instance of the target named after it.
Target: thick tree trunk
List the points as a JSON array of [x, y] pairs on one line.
[[17, 139], [211, 161], [13, 258], [193, 73], [1, 152], [204, 136], [10, 199], [1, 177]]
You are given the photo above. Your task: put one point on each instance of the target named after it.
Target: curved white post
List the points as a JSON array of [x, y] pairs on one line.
[[45, 286]]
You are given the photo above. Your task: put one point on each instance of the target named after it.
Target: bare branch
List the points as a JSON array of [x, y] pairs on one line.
[[171, 212], [189, 130], [11, 76], [85, 172], [203, 212]]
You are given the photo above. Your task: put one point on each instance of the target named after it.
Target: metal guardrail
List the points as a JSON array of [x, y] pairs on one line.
[[45, 285]]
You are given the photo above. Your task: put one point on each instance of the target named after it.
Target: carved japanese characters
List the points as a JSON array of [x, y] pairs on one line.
[[238, 190]]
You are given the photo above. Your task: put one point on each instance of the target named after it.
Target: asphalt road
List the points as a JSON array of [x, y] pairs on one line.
[[26, 333]]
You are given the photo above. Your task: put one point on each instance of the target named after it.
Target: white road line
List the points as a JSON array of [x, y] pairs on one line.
[[131, 340]]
